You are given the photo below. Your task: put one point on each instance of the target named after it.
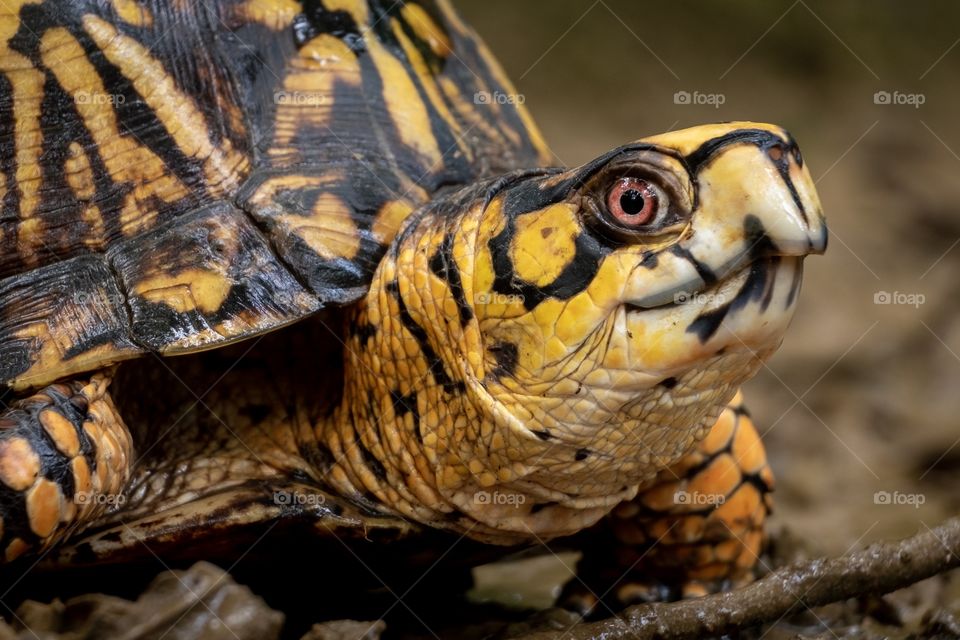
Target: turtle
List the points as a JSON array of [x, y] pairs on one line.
[[312, 263]]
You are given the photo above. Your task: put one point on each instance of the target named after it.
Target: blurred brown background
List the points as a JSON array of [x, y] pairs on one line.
[[863, 397]]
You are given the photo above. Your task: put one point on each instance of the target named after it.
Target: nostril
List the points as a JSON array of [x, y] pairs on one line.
[[781, 151], [797, 156]]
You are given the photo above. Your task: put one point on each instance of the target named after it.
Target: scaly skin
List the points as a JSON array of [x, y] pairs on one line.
[[697, 529], [514, 373], [65, 455]]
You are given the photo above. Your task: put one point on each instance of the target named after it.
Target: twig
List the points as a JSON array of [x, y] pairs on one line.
[[880, 568]]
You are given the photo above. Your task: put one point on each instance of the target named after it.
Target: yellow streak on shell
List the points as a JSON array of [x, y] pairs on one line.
[[427, 30], [133, 13], [125, 159], [26, 84], [406, 109], [329, 229], [307, 95], [186, 290], [175, 109], [274, 14]]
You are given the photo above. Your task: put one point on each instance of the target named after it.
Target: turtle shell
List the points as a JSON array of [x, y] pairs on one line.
[[177, 176]]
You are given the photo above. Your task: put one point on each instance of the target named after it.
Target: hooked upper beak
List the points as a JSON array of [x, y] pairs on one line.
[[754, 199]]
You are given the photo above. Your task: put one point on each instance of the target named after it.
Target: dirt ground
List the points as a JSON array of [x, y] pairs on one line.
[[859, 409]]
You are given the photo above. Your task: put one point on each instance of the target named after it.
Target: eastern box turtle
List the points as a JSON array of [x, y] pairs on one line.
[[464, 337]]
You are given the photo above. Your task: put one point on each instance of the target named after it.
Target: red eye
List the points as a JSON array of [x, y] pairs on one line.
[[633, 202]]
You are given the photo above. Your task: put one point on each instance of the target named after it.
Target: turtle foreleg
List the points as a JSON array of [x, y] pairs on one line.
[[697, 529], [65, 457]]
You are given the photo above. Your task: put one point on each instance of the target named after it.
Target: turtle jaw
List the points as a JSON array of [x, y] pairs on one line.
[[748, 311]]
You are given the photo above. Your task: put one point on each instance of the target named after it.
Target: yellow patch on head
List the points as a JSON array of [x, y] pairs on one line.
[[133, 13], [545, 243], [580, 315], [686, 141]]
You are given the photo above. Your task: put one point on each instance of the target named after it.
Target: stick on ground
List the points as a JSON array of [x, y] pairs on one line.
[[880, 568]]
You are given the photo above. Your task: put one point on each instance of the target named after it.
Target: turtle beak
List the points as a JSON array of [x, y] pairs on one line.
[[754, 188], [754, 199]]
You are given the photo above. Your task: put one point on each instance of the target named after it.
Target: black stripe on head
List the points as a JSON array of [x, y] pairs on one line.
[[794, 287], [575, 277], [505, 354], [778, 150], [534, 195], [404, 404], [445, 267], [705, 272], [369, 459], [419, 334], [758, 287]]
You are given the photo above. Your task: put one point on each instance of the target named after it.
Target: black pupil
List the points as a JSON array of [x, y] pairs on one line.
[[631, 202]]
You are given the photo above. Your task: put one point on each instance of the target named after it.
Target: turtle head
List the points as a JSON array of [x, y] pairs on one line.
[[568, 334]]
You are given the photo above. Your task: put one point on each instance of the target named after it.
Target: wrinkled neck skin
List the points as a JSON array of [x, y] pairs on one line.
[[444, 422]]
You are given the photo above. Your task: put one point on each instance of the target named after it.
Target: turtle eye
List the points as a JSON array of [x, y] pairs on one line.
[[633, 202]]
